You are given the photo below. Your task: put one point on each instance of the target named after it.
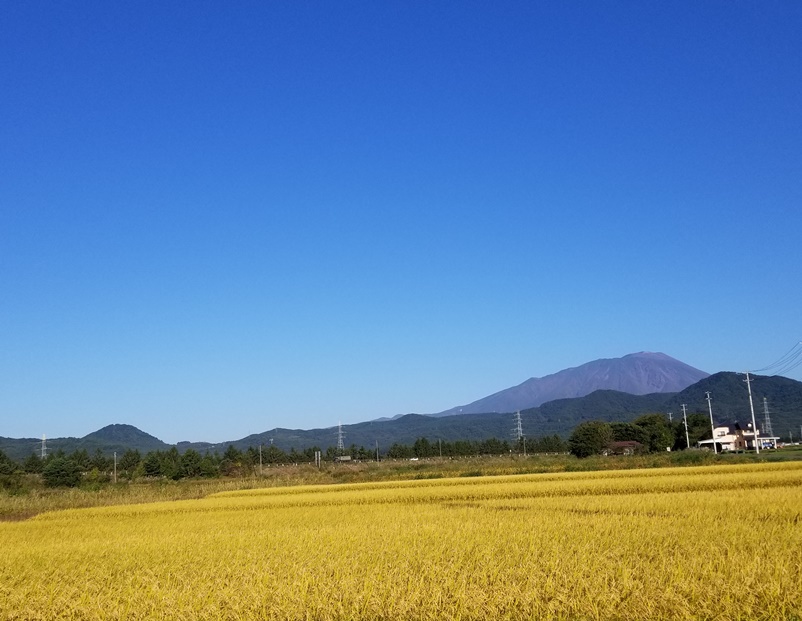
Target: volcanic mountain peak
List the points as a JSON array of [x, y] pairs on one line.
[[638, 374]]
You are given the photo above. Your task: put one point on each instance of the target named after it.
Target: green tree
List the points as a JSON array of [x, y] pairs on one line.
[[100, 461], [190, 464], [590, 438], [494, 446], [209, 466], [274, 455], [7, 465], [659, 435], [33, 464], [549, 444], [308, 454], [61, 472], [152, 464], [129, 461], [698, 429], [231, 464], [81, 459], [625, 432], [171, 464], [363, 454], [465, 448], [400, 451], [422, 448]]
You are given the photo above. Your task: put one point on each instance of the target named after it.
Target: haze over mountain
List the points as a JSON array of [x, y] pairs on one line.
[[636, 374]]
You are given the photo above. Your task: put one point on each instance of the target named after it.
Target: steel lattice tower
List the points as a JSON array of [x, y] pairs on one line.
[[767, 419]]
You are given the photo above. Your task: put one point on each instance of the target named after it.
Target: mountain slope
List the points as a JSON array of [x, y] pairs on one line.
[[120, 437], [728, 392], [637, 374], [730, 401]]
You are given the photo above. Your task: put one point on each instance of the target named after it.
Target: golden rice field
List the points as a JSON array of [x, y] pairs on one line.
[[719, 542]]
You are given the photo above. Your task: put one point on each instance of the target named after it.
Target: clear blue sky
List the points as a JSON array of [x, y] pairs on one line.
[[217, 218]]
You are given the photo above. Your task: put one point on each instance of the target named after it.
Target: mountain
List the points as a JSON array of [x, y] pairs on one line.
[[728, 392], [121, 437], [637, 374], [556, 417], [109, 439]]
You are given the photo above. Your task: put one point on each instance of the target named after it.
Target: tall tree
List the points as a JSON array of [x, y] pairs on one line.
[[61, 472], [7, 465], [590, 438], [659, 435]]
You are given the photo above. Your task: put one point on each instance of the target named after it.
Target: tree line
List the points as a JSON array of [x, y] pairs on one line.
[[651, 433], [62, 469], [646, 434], [423, 447]]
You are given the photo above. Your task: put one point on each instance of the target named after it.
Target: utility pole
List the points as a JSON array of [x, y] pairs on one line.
[[260, 459], [712, 426], [685, 420], [752, 408], [115, 467], [377, 450], [440, 447]]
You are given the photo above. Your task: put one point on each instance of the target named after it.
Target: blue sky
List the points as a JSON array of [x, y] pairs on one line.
[[219, 218]]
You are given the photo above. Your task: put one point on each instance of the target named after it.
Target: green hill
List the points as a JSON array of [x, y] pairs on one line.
[[730, 400]]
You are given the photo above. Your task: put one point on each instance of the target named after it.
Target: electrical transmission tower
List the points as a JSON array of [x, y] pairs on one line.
[[519, 431], [767, 419], [340, 436], [44, 447]]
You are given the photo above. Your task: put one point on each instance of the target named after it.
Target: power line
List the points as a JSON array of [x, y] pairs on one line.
[[787, 362]]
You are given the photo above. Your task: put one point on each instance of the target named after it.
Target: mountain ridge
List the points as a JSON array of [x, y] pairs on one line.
[[729, 401], [558, 416], [638, 374]]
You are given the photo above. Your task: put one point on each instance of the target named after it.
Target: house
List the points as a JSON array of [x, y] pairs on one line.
[[625, 447], [734, 438], [727, 438]]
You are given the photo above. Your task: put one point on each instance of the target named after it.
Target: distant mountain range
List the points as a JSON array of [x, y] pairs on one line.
[[636, 374], [728, 391]]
